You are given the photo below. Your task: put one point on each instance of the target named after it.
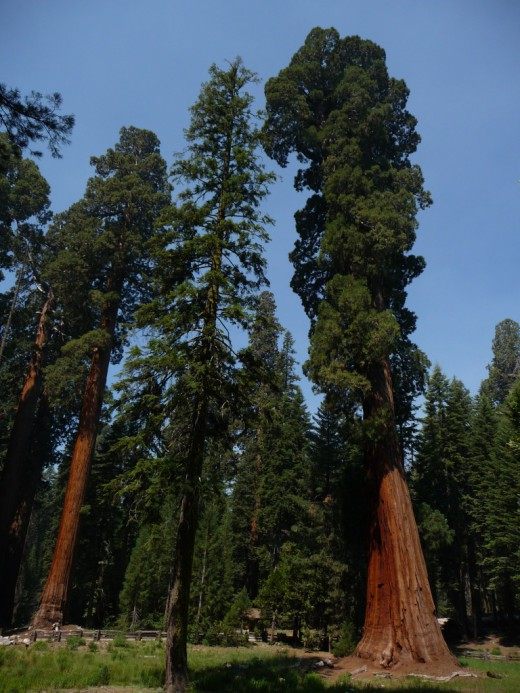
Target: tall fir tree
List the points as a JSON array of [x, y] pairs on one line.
[[214, 234]]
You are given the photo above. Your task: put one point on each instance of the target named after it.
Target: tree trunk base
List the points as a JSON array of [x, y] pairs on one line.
[[46, 616], [178, 684], [359, 665]]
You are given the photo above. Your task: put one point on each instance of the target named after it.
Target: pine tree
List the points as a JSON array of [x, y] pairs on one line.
[[336, 107], [117, 215]]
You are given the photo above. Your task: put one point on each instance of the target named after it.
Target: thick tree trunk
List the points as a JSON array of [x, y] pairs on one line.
[[400, 622], [178, 599], [21, 472], [54, 598]]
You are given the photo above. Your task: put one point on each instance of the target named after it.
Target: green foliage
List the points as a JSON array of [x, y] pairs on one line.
[[34, 118], [498, 516], [74, 641], [235, 616], [336, 107], [120, 641], [505, 366], [346, 643], [442, 485], [145, 585]]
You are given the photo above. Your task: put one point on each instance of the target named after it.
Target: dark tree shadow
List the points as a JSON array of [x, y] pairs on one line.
[[282, 675]]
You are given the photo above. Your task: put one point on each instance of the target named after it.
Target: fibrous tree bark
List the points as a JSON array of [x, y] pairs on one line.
[[21, 470], [54, 597], [338, 109], [104, 238], [400, 621]]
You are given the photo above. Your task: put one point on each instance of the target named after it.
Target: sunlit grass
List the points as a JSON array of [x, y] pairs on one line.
[[217, 669]]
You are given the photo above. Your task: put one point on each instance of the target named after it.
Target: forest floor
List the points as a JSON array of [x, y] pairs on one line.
[[129, 667]]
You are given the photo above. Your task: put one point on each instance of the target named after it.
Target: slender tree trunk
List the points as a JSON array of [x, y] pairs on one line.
[[21, 471], [179, 596], [252, 559], [178, 600], [202, 581], [400, 622], [55, 593]]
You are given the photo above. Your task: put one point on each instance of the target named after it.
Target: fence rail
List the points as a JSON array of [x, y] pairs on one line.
[[96, 634]]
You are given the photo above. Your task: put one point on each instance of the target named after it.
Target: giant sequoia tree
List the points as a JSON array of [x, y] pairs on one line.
[[103, 241], [336, 107], [24, 209]]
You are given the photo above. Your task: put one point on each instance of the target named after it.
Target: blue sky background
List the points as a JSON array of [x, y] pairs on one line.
[[137, 62]]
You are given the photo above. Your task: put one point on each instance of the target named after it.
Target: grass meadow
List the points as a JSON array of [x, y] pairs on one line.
[[139, 666]]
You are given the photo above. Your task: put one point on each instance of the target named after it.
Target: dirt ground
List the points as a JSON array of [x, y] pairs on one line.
[[363, 669]]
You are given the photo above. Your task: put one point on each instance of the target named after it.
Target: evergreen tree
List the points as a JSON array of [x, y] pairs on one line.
[[34, 118], [117, 216], [213, 235], [442, 483], [336, 107], [24, 210], [497, 513], [272, 480], [505, 366]]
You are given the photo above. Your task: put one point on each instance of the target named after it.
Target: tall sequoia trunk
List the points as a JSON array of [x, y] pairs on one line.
[[400, 622], [21, 471], [54, 598]]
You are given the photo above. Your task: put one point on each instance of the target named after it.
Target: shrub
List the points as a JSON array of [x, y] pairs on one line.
[[74, 641], [92, 646], [40, 646], [311, 639], [219, 634], [120, 641], [346, 643]]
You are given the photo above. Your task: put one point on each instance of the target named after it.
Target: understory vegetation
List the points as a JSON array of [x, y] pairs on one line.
[[141, 665]]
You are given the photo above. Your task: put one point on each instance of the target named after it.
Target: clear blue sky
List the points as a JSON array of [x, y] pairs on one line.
[[141, 62]]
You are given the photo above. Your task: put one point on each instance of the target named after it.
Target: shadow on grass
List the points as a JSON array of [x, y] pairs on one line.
[[282, 675]]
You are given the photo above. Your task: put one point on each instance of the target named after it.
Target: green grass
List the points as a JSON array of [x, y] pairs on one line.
[[213, 669]]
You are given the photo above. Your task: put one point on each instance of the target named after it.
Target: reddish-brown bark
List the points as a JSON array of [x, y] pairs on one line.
[[21, 472], [54, 597], [400, 621]]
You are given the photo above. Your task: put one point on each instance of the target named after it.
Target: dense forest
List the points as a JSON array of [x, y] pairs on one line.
[[155, 473]]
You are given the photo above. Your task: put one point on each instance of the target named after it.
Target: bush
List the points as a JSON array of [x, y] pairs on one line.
[[40, 646], [92, 646], [222, 635], [74, 641], [311, 639], [346, 643], [120, 641]]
